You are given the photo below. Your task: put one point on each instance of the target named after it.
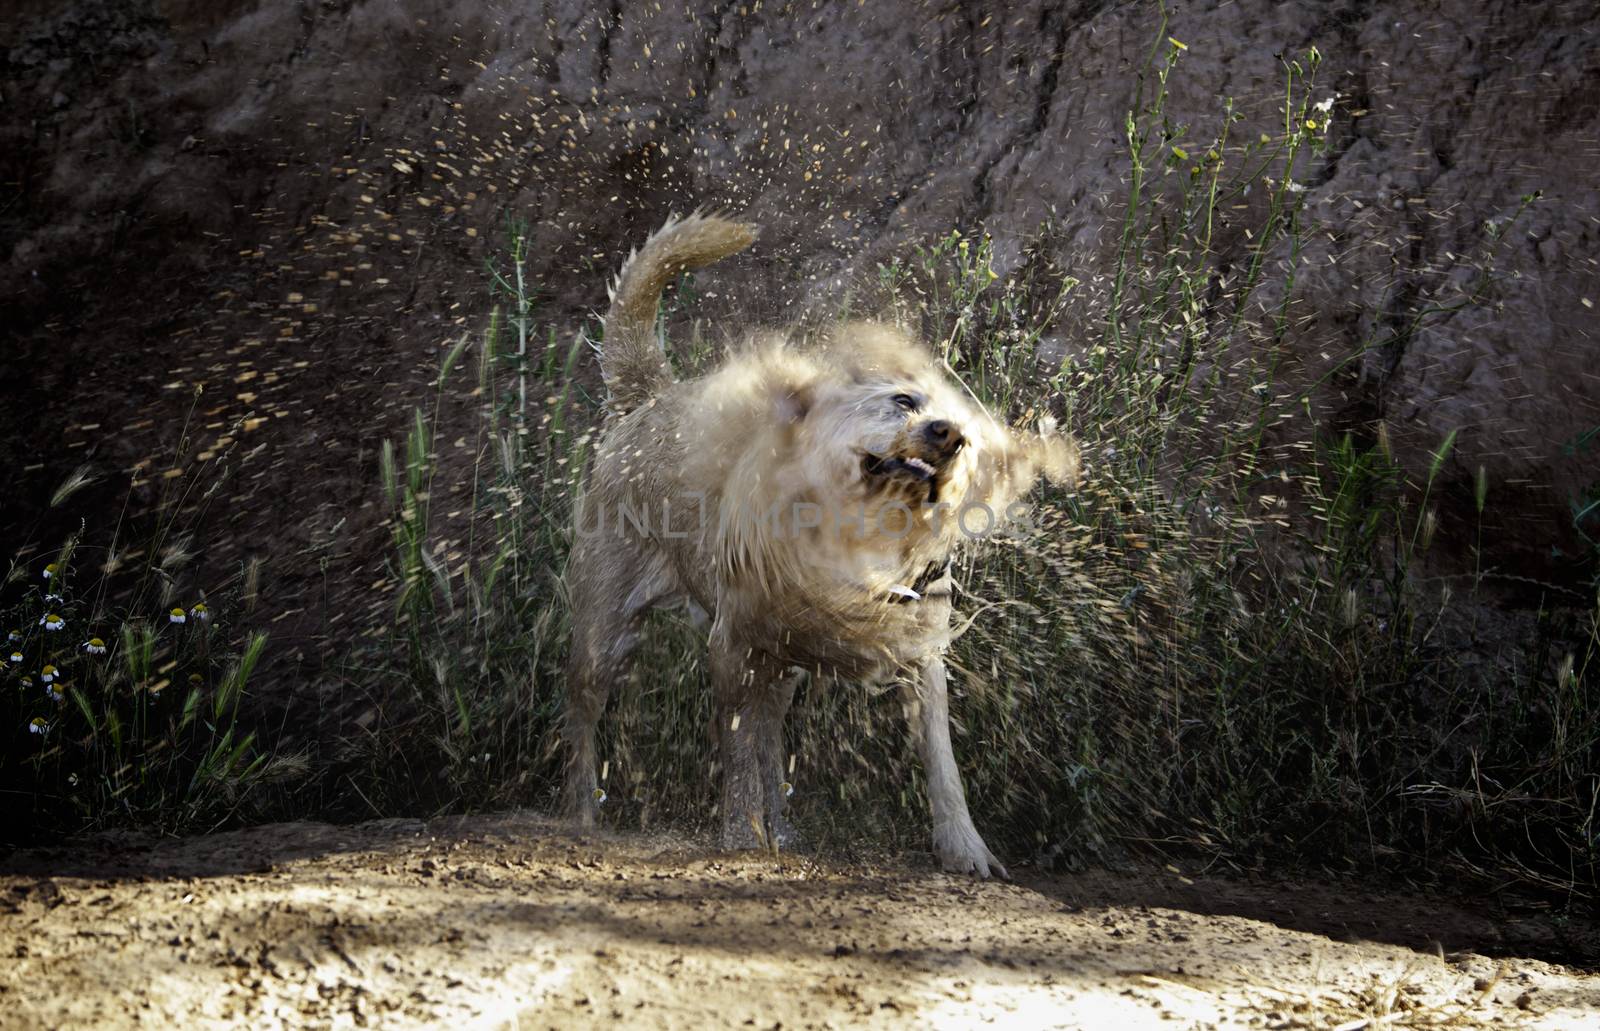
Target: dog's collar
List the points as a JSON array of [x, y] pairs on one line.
[[931, 575]]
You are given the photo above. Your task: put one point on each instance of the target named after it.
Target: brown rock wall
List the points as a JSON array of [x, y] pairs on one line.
[[173, 170]]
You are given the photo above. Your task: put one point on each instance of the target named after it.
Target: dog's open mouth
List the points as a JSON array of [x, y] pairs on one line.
[[918, 477], [909, 467]]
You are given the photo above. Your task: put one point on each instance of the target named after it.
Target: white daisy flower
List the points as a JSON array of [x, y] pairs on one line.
[[16, 656], [51, 570], [51, 621], [38, 725], [55, 692], [94, 646], [47, 674], [201, 613], [177, 615], [599, 796]]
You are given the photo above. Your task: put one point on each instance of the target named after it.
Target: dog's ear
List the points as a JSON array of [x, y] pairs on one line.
[[793, 402], [1054, 453], [872, 352], [1008, 469], [781, 384]]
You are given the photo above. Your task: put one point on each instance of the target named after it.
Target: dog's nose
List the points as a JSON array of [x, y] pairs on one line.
[[943, 435]]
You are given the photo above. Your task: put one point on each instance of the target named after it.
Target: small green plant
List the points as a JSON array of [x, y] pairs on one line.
[[479, 628], [120, 718], [123, 690]]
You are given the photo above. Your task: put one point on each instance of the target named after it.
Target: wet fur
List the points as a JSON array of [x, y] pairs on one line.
[[794, 429]]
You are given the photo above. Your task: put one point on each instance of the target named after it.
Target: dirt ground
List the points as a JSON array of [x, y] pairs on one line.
[[511, 922]]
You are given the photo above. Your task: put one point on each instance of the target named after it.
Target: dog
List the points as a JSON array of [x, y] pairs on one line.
[[806, 499]]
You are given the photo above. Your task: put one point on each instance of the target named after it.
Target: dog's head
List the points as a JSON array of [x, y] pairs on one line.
[[889, 428], [845, 471]]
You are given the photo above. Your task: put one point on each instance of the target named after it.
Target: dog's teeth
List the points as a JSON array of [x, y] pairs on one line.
[[905, 592], [920, 466]]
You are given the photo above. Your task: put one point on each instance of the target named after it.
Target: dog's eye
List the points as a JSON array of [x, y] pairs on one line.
[[905, 401]]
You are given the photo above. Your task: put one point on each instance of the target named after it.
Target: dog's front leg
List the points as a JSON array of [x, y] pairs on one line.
[[955, 840], [752, 695]]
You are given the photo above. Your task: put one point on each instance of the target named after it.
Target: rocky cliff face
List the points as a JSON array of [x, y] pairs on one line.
[[287, 207]]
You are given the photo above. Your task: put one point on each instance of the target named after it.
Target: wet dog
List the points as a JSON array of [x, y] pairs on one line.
[[807, 498]]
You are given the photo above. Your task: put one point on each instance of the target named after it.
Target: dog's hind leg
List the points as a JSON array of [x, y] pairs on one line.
[[955, 840], [612, 585], [774, 770], [752, 696]]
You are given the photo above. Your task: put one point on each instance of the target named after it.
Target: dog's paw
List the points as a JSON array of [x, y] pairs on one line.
[[579, 805], [749, 833], [782, 833], [743, 833], [961, 850]]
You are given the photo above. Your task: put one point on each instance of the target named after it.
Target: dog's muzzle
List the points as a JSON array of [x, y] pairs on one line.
[[921, 459], [944, 438]]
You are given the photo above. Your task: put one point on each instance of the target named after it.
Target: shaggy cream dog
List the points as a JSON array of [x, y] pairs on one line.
[[807, 499]]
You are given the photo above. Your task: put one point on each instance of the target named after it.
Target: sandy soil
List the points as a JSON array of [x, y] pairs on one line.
[[510, 922]]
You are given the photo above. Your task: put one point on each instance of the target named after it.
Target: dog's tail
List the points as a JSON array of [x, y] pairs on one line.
[[632, 357]]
